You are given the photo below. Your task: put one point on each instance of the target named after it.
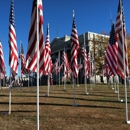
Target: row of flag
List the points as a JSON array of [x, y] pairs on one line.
[[38, 58], [39, 50], [115, 55]]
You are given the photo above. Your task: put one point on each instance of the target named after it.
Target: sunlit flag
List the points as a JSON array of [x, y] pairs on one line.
[[31, 57], [85, 62], [47, 54], [112, 50], [74, 49], [13, 50], [122, 66]]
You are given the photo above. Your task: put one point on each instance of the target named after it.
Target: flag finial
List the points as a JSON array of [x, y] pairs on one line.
[[73, 13]]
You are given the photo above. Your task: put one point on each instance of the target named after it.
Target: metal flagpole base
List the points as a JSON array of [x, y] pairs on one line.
[[121, 100], [86, 93], [75, 105], [128, 122], [46, 95], [116, 91]]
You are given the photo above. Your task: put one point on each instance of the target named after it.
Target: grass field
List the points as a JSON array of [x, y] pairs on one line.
[[100, 110]]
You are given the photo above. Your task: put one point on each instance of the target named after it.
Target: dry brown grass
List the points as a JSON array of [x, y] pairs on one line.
[[100, 110]]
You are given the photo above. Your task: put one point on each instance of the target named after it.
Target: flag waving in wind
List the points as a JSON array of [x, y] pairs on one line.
[[47, 54], [85, 62], [13, 51], [65, 62], [122, 66], [23, 63], [111, 53], [31, 57], [74, 49]]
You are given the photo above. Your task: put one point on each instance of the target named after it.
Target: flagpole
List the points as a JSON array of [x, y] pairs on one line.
[[48, 85], [64, 80], [59, 71], [0, 79], [37, 68], [115, 85], [10, 94], [90, 72], [118, 92], [64, 83], [85, 78], [126, 106], [20, 66], [28, 78], [74, 91], [85, 69]]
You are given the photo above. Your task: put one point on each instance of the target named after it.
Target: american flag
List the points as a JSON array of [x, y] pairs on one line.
[[31, 57], [69, 68], [106, 72], [111, 53], [92, 65], [24, 70], [65, 62], [74, 49], [85, 62], [122, 66], [2, 62], [13, 50], [55, 67], [47, 54]]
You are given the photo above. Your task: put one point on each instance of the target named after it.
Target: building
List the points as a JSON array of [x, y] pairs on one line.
[[94, 43]]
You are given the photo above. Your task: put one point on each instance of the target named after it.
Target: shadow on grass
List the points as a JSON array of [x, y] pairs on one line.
[[94, 100], [6, 112], [56, 104]]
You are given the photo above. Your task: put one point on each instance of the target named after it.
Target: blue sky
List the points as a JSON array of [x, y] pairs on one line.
[[91, 15]]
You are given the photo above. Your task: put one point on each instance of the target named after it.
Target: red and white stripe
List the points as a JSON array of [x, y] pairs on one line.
[[47, 54], [65, 62], [24, 70], [112, 52], [13, 54], [31, 57], [55, 67], [2, 62], [74, 49], [106, 72], [122, 66], [85, 62]]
